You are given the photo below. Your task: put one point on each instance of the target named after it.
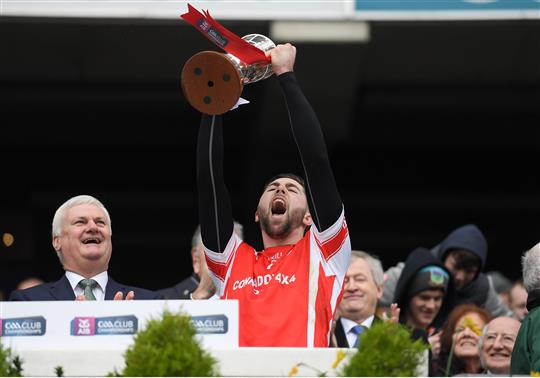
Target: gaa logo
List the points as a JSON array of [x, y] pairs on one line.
[[210, 324], [31, 326], [109, 325], [117, 325]]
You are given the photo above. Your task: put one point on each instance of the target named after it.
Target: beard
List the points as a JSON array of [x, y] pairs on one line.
[[278, 230]]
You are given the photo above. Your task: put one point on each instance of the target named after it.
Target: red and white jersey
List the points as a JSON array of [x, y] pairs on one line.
[[287, 294]]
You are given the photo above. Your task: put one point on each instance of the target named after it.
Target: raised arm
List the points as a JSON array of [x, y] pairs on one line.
[[321, 189], [215, 214]]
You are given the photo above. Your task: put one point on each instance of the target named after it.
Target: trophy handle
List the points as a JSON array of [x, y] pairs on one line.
[[211, 83]]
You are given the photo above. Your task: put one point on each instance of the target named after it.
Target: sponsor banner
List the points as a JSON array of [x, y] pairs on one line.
[[113, 323], [117, 325], [207, 324], [446, 9], [83, 326], [280, 10], [109, 325], [447, 5], [27, 326], [159, 9]]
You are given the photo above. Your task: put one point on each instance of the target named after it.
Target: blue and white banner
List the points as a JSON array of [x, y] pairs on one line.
[[208, 324], [109, 324], [278, 10], [447, 9], [447, 5], [27, 326]]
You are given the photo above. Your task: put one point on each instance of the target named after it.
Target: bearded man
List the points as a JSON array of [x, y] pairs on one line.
[[288, 292]]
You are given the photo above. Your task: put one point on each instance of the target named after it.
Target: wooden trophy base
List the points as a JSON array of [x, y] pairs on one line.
[[211, 82]]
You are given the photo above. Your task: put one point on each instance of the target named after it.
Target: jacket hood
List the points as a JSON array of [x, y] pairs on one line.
[[475, 291], [468, 237], [418, 259]]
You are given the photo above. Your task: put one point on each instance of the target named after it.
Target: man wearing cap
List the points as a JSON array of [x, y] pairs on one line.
[[425, 295]]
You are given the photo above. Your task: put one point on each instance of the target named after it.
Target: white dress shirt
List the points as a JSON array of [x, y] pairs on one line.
[[348, 326], [99, 291]]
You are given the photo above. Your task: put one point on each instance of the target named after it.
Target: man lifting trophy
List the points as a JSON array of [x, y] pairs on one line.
[[212, 81], [287, 293]]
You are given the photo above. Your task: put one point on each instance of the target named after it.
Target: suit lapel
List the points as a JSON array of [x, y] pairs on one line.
[[61, 290], [341, 338], [112, 288]]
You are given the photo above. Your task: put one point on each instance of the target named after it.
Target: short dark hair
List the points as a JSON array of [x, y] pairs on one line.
[[465, 259], [292, 176]]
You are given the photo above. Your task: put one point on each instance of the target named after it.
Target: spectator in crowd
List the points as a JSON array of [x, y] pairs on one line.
[[459, 342], [363, 288], [29, 282], [517, 300], [186, 288], [496, 344], [463, 252], [526, 353], [501, 284], [425, 295], [288, 293], [82, 239]]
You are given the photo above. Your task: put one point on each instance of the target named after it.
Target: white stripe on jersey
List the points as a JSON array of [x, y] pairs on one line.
[[337, 265], [227, 257], [313, 287]]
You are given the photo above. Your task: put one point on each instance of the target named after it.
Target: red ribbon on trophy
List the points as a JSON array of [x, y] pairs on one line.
[[224, 38]]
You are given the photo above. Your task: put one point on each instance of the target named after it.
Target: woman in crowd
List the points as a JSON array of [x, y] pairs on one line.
[[459, 341]]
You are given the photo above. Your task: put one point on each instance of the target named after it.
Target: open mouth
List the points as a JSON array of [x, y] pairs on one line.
[[278, 207], [499, 356], [91, 241]]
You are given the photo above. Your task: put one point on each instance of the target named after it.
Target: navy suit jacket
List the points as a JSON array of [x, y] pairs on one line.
[[181, 290], [61, 291]]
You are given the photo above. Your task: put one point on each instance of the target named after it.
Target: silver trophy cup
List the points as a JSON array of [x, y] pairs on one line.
[[213, 82], [250, 73]]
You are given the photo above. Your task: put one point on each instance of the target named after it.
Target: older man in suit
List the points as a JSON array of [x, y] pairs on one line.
[[81, 236], [363, 289]]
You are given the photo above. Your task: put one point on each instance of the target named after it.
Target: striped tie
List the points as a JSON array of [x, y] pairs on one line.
[[87, 285]]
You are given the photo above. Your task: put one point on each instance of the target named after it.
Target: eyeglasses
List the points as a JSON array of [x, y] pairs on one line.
[[507, 339]]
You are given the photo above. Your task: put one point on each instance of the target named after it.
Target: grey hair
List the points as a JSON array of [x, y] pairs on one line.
[[375, 265], [531, 268], [482, 339], [60, 214], [196, 239]]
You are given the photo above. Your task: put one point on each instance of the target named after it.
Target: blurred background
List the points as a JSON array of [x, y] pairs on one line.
[[431, 116]]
